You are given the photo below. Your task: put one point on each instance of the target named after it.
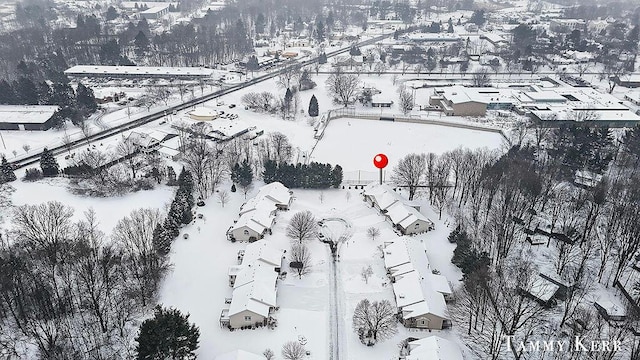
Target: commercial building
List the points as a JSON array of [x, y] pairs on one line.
[[26, 117], [138, 72]]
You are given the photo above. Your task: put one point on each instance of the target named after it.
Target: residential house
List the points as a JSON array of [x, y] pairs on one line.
[[420, 294], [610, 310], [252, 226], [380, 101], [239, 355], [433, 348], [258, 215], [405, 218], [541, 290]]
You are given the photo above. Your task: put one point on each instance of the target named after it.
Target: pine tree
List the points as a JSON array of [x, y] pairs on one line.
[[233, 188], [322, 58], [171, 176], [235, 174], [6, 172], [336, 176], [48, 163], [161, 240], [246, 174], [270, 171], [7, 94], [168, 335], [313, 106], [288, 99], [85, 99]]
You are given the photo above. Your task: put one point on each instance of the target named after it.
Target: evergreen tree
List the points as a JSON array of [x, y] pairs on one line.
[[85, 99], [171, 176], [322, 58], [246, 174], [233, 188], [6, 172], [141, 43], [111, 14], [336, 176], [7, 94], [288, 99], [235, 173], [44, 93], [162, 240], [168, 335], [270, 171], [313, 106], [26, 92], [48, 163]]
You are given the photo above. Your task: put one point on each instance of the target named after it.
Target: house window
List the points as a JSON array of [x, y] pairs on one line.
[[416, 226], [246, 232], [247, 318], [422, 322]]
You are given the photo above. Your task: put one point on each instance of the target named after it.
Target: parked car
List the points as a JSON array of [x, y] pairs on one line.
[[200, 203], [231, 106], [185, 236]]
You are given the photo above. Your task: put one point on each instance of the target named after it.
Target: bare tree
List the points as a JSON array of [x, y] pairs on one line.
[[321, 197], [293, 350], [343, 87], [205, 164], [86, 130], [66, 140], [126, 150], [144, 264], [223, 197], [160, 93], [406, 99], [481, 78], [373, 233], [300, 259], [366, 273], [276, 147], [374, 321], [290, 75], [409, 172], [268, 354], [303, 226]]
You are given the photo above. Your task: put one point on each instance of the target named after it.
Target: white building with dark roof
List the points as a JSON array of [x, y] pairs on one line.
[[27, 117], [139, 72]]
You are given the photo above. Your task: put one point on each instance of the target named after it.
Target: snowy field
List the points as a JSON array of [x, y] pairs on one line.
[[353, 143]]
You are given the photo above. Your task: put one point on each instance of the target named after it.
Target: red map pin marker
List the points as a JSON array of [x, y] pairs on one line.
[[380, 161]]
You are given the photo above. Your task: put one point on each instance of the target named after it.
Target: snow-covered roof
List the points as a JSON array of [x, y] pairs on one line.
[[87, 70], [239, 355], [403, 215], [155, 9], [26, 114], [276, 192], [542, 289], [381, 99], [256, 271], [611, 308], [433, 348], [439, 283], [416, 297], [257, 220], [460, 95], [263, 250], [257, 203], [405, 250], [254, 296]]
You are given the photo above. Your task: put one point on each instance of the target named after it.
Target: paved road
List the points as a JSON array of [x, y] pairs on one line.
[[32, 159]]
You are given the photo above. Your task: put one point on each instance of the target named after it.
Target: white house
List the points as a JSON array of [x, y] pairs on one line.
[[405, 218], [252, 226], [251, 304], [420, 305], [239, 355], [420, 294], [433, 348]]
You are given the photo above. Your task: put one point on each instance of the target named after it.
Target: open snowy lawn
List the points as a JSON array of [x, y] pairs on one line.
[[108, 210], [353, 143]]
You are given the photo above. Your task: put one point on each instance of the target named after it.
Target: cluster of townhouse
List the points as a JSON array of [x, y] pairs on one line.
[[403, 215], [258, 214], [254, 283], [420, 294]]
